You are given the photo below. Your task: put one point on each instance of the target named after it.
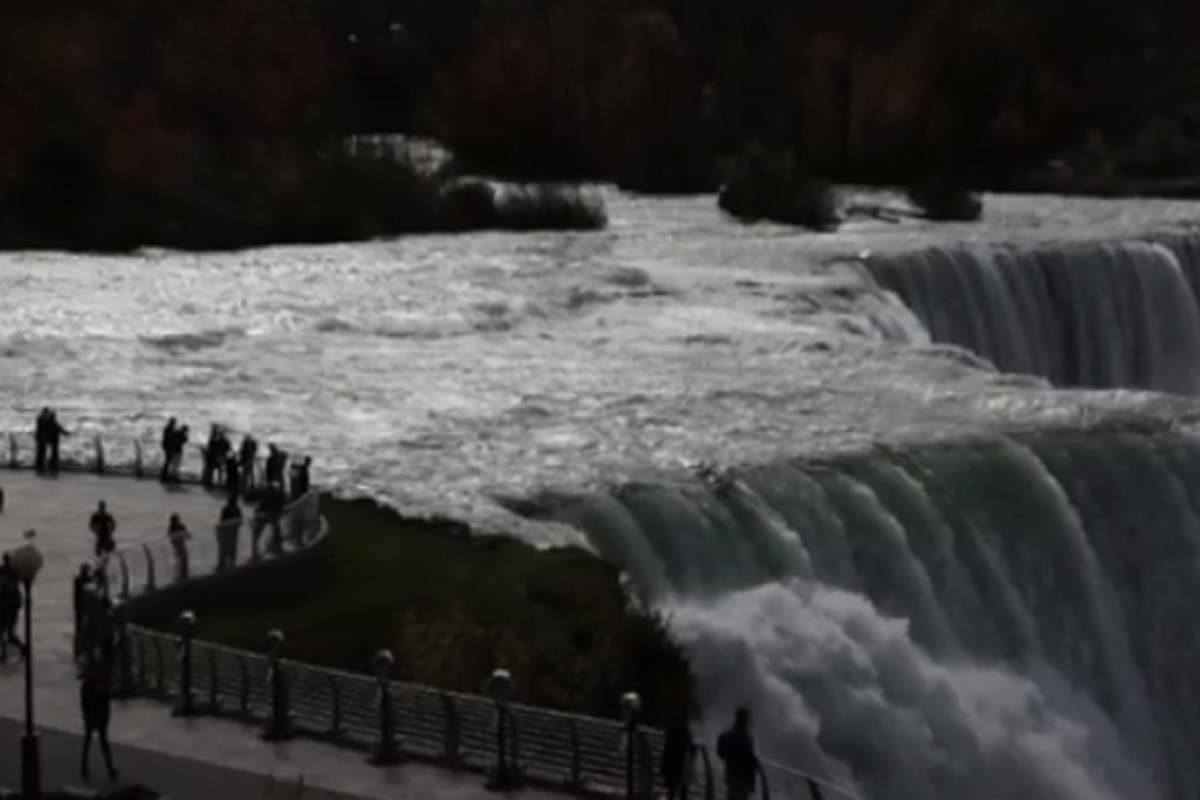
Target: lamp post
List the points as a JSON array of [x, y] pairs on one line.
[[499, 686], [26, 562], [386, 754], [631, 706], [187, 630]]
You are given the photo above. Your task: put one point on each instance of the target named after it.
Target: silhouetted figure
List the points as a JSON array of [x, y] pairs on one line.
[[676, 765], [300, 477], [233, 476], [215, 455], [248, 453], [54, 433], [10, 609], [276, 463], [1, 499], [81, 593], [274, 502], [41, 439], [95, 701], [735, 747], [177, 535], [103, 526], [227, 533], [168, 441], [258, 523]]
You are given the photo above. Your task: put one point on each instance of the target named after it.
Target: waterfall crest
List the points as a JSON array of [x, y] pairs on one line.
[[1096, 314]]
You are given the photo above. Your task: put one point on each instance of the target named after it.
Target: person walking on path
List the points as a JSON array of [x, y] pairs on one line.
[[10, 609], [177, 535], [95, 701], [735, 747], [227, 533], [81, 594], [676, 765], [104, 527]]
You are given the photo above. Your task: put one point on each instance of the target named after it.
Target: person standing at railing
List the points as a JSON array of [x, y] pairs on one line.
[[227, 533], [676, 765], [735, 747], [177, 535], [300, 477], [104, 527], [54, 433], [10, 609], [41, 439], [215, 454], [233, 476], [168, 442], [276, 466], [248, 453]]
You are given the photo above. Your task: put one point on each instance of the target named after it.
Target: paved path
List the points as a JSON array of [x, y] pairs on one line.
[[156, 746]]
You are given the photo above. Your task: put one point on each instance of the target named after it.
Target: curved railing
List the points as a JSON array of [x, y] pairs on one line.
[[575, 753]]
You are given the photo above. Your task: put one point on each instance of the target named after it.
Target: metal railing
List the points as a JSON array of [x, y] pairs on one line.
[[575, 753]]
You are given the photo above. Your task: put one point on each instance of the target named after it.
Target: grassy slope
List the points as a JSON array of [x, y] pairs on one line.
[[451, 608]]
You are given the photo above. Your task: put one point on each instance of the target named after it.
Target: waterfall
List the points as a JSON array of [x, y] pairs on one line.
[[1099, 314], [1008, 617]]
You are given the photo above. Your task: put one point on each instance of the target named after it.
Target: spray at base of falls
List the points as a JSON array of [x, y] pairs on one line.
[[1010, 616], [833, 684]]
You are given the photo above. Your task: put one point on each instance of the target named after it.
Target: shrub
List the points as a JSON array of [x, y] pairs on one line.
[[771, 185]]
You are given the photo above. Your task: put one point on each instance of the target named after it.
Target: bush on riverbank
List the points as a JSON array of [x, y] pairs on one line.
[[452, 608], [772, 185]]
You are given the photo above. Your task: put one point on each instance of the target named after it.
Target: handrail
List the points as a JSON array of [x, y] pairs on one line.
[[572, 752]]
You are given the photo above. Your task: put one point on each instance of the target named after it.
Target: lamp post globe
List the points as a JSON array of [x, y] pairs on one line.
[[500, 685]]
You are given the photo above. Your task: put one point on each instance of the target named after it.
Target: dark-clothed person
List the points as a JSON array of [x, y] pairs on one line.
[[177, 535], [233, 476], [247, 454], [227, 533], [276, 465], [42, 439], [95, 701], [215, 455], [81, 594], [168, 441], [54, 433], [103, 526], [735, 747], [677, 759], [10, 609]]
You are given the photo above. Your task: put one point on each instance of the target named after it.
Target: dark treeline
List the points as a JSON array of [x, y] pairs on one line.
[[655, 93], [217, 122], [212, 123]]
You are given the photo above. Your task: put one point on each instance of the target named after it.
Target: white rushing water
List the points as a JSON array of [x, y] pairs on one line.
[[931, 578]]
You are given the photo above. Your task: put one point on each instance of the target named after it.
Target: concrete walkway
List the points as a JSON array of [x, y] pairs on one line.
[[183, 757]]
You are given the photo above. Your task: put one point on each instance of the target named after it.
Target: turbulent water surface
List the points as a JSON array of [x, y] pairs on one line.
[[932, 576]]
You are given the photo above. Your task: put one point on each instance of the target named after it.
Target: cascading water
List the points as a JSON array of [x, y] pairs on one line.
[[1007, 617], [1103, 315]]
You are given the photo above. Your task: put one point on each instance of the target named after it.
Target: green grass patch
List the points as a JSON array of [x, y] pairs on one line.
[[451, 607]]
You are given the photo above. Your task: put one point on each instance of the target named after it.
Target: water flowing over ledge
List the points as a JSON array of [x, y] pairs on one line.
[[1103, 314]]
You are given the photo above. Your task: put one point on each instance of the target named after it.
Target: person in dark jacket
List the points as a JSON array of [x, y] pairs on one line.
[[103, 526], [227, 533], [677, 758], [248, 453], [54, 433], [95, 701], [735, 747], [233, 476], [168, 441], [10, 609], [41, 439], [82, 588]]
